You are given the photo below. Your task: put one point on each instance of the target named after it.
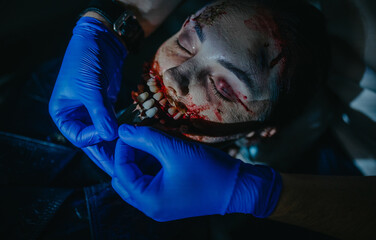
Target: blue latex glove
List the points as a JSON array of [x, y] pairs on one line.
[[102, 154], [89, 80], [194, 180]]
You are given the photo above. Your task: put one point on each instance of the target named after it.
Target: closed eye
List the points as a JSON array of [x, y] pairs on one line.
[[181, 46], [222, 90]]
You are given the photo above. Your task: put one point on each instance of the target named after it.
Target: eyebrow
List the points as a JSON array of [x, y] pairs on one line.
[[199, 32], [243, 76]]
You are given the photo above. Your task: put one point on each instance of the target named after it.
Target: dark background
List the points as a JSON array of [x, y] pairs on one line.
[[45, 180]]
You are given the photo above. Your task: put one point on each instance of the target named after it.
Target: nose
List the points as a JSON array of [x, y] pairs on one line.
[[176, 82]]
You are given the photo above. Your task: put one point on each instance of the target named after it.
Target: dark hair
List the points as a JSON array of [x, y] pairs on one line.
[[302, 28]]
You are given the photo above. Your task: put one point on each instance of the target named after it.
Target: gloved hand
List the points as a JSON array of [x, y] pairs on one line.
[[89, 80], [194, 180], [102, 154]]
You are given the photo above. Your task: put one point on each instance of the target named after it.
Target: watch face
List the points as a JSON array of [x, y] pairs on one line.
[[120, 24], [129, 30]]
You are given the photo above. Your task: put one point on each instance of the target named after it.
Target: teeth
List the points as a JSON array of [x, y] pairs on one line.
[[151, 82], [178, 115], [138, 108], [158, 96], [148, 104], [154, 89], [151, 112], [142, 97], [163, 102], [171, 110]]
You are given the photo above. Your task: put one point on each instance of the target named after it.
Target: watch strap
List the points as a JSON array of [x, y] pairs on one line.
[[124, 23], [108, 9]]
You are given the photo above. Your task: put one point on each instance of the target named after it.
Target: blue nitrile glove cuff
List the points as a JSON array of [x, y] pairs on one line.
[[257, 191], [194, 179], [99, 30]]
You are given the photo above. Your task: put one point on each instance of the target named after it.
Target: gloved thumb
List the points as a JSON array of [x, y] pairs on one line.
[[149, 140], [103, 117]]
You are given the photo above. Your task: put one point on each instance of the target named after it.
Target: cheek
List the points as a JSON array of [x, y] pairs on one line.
[[167, 56], [164, 59], [200, 105]]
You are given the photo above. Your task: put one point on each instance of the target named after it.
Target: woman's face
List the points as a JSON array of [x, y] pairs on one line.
[[222, 65]]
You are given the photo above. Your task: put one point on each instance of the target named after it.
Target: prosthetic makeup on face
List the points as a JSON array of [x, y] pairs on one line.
[[220, 69]]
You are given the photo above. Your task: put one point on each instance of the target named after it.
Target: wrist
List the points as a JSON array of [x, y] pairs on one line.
[[105, 22], [150, 13], [94, 34], [140, 14], [257, 191], [120, 20]]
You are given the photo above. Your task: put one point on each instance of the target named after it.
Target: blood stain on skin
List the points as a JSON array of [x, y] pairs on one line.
[[217, 113], [241, 102], [187, 21], [155, 71], [194, 111], [263, 22], [155, 68]]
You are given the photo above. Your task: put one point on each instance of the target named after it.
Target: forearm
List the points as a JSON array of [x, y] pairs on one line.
[[104, 21], [343, 207], [150, 13]]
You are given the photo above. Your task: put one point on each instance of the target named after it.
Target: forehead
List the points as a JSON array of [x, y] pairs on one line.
[[239, 36], [224, 19]]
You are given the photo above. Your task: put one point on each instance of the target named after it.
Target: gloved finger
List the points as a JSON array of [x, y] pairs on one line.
[[149, 140], [102, 115], [102, 154], [134, 198], [74, 122], [123, 193], [125, 162], [127, 171], [79, 133]]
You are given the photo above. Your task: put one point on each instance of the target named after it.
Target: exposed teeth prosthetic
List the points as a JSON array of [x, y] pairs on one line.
[[158, 96], [151, 102], [151, 112], [142, 97], [148, 104], [171, 111], [163, 102]]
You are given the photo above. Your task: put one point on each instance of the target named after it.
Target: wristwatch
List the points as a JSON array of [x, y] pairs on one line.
[[123, 21]]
